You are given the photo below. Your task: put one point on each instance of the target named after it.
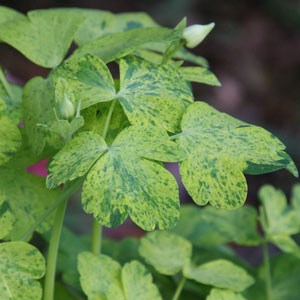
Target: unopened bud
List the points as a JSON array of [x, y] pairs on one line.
[[195, 34], [66, 108]]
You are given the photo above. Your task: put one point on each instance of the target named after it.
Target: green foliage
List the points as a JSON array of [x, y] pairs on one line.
[[21, 265], [114, 134]]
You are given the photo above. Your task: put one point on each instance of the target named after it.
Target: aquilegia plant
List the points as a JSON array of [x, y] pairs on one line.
[[111, 134]]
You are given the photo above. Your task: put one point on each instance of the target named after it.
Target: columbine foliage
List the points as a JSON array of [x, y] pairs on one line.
[[113, 134]]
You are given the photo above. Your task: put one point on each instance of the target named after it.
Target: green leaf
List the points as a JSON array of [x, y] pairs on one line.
[[10, 139], [153, 94], [217, 294], [8, 14], [167, 253], [209, 226], [219, 149], [88, 78], [75, 159], [220, 273], [100, 23], [27, 197], [136, 283], [199, 74], [281, 219], [44, 36], [97, 274], [21, 265], [7, 219], [295, 201], [142, 188], [111, 47]]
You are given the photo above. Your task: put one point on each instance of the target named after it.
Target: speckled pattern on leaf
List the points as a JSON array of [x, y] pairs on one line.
[[217, 294], [153, 94], [123, 182], [220, 273], [44, 36], [168, 253], [220, 148], [88, 78], [97, 274], [198, 74], [21, 264], [7, 219], [10, 139]]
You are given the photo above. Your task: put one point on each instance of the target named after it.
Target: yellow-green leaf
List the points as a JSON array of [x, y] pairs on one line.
[[168, 253], [97, 274], [21, 265], [153, 94], [199, 74], [7, 219], [217, 294], [219, 150], [220, 273], [8, 14], [44, 36]]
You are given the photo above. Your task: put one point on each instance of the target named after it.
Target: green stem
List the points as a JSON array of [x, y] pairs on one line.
[[6, 85], [53, 250], [179, 289], [175, 136], [65, 193], [268, 283], [170, 52], [97, 228]]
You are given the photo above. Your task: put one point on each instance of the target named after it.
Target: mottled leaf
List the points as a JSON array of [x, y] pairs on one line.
[[10, 139], [27, 197], [153, 94], [113, 46], [219, 149], [136, 283], [141, 188], [21, 265], [280, 220], [7, 219], [198, 74], [220, 273], [167, 253], [97, 274], [100, 23], [75, 159], [88, 78], [44, 36], [210, 226], [217, 294]]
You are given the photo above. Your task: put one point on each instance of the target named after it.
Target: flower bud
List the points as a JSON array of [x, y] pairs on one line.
[[195, 34], [66, 108]]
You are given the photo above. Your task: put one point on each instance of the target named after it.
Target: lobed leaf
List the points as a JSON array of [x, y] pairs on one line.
[[219, 149], [220, 273], [8, 14], [210, 226], [44, 36], [167, 253], [21, 265]]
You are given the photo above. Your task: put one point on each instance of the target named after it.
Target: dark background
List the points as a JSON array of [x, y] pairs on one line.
[[254, 50]]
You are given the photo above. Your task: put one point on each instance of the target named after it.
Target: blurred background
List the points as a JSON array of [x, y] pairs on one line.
[[254, 50]]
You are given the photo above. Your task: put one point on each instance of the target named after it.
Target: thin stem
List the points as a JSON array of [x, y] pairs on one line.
[[6, 85], [175, 136], [96, 237], [179, 289], [97, 228], [268, 283], [65, 193], [53, 250], [167, 56]]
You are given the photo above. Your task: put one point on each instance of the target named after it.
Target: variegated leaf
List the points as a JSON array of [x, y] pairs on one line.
[[21, 265], [44, 36], [220, 149], [199, 74], [167, 253]]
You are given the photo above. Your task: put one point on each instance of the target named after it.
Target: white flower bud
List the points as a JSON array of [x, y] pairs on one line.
[[195, 34], [66, 108]]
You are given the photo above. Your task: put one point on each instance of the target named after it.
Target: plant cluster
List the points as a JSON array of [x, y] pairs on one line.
[[112, 134]]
